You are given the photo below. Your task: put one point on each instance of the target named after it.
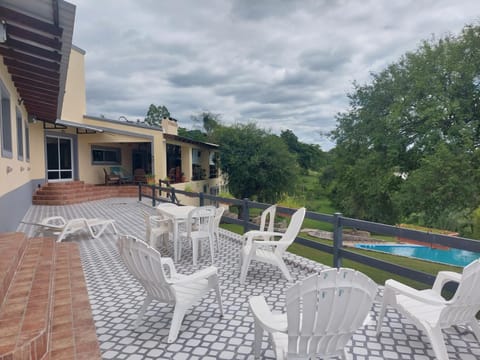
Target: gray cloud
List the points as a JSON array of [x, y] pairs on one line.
[[284, 64]]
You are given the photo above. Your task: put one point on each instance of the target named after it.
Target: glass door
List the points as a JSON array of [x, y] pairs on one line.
[[59, 159]]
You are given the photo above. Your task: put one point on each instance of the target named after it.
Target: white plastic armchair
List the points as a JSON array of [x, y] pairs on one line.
[[147, 266], [323, 312], [430, 312], [156, 226], [216, 224], [199, 227], [270, 251]]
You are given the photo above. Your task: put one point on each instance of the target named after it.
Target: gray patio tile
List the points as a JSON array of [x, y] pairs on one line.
[[115, 298]]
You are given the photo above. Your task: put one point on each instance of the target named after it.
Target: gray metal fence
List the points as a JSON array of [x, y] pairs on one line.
[[338, 222]]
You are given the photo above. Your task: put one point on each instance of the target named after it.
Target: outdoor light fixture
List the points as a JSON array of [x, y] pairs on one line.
[[3, 31], [32, 119]]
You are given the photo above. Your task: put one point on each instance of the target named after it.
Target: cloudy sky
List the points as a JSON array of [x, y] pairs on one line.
[[284, 64]]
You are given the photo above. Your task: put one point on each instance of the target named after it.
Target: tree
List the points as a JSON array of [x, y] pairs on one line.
[[309, 156], [208, 120], [409, 142], [155, 115], [257, 164]]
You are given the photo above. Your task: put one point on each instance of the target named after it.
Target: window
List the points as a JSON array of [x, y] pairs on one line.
[[6, 122], [213, 164], [19, 135], [27, 142], [106, 156]]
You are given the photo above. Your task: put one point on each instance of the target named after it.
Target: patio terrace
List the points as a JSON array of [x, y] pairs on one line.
[[115, 298]]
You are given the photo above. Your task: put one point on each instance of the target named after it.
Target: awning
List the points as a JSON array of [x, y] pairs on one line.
[[88, 129], [36, 52], [189, 141]]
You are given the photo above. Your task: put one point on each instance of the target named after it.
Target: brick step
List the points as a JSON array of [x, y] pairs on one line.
[[77, 192], [12, 246], [25, 311], [64, 184]]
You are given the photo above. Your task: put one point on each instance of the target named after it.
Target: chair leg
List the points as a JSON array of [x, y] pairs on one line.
[[244, 270], [178, 314], [388, 298], [284, 269], [475, 328], [438, 343], [195, 251], [144, 307], [257, 343], [212, 248]]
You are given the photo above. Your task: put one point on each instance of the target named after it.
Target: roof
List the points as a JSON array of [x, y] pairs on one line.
[[37, 51], [189, 141]]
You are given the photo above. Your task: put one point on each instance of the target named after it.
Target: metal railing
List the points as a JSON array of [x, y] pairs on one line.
[[337, 221]]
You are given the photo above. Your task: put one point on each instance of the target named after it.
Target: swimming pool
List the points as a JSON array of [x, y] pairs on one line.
[[452, 256]]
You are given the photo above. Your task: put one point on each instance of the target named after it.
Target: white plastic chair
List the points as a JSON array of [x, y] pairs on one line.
[[323, 312], [270, 251], [430, 312], [216, 225], [199, 226], [156, 226], [147, 266]]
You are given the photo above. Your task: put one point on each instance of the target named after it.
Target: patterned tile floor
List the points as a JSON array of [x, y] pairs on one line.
[[116, 297]]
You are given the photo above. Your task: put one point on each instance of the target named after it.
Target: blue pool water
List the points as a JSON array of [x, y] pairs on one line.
[[452, 256]]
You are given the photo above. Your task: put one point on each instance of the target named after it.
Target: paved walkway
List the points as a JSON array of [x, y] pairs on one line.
[[116, 298]]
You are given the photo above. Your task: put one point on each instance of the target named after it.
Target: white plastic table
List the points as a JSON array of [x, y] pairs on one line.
[[178, 214]]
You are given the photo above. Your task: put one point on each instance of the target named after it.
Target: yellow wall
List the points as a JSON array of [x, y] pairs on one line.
[[74, 100], [13, 172]]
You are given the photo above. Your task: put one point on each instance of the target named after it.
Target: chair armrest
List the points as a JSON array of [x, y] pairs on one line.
[[199, 275], [399, 288], [443, 277], [169, 262], [249, 236], [259, 243], [264, 316], [159, 220]]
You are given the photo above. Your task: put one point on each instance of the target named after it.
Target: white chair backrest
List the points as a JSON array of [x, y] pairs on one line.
[[466, 302], [145, 264], [201, 219], [292, 231], [267, 219], [218, 217], [324, 310]]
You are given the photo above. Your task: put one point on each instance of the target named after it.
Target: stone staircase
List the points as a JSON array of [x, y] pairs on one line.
[[44, 306], [74, 192]]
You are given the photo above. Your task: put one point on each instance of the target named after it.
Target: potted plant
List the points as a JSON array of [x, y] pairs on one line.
[[150, 179]]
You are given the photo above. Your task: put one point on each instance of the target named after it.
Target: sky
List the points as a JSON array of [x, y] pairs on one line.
[[283, 64]]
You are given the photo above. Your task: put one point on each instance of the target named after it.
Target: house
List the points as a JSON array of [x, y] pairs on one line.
[[47, 135]]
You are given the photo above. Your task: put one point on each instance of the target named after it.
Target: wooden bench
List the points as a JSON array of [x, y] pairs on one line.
[[44, 309]]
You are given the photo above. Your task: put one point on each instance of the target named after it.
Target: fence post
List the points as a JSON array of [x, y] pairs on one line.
[[201, 199], [245, 215], [139, 191], [337, 240], [153, 196], [173, 197]]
